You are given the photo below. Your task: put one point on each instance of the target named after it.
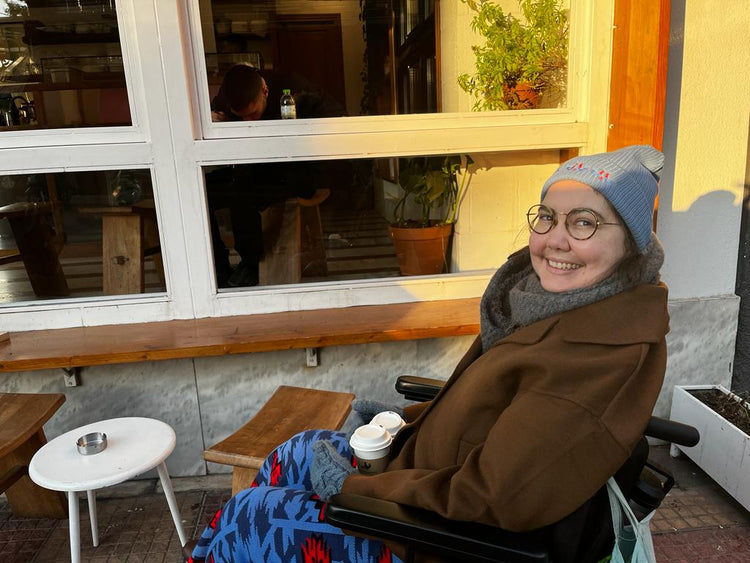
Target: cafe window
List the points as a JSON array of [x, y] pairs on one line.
[[423, 63], [61, 65], [313, 222], [329, 246], [391, 57], [78, 234]]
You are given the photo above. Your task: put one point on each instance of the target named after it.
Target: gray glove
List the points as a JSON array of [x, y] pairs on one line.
[[328, 469], [366, 409]]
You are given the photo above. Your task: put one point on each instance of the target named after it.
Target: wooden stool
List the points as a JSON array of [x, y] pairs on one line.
[[36, 247], [293, 240], [129, 233], [289, 410], [22, 417]]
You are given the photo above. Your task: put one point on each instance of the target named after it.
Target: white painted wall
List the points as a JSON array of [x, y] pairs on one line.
[[705, 144]]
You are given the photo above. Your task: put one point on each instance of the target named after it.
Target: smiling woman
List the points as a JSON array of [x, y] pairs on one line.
[[575, 253], [539, 363]]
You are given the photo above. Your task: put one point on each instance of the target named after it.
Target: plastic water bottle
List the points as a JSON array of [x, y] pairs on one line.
[[288, 108]]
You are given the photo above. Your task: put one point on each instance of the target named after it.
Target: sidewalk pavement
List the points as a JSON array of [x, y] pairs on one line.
[[698, 522]]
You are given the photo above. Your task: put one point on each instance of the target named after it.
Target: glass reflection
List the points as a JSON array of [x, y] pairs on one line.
[[379, 57], [78, 234], [61, 65], [322, 221]]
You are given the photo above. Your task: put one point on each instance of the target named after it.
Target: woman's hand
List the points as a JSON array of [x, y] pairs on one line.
[[328, 469], [366, 409]]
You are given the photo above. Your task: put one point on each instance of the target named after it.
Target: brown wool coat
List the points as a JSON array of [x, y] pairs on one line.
[[524, 434]]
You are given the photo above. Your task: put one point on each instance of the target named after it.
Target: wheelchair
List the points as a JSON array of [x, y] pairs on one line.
[[584, 536]]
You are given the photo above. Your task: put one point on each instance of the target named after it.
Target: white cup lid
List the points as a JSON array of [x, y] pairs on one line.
[[389, 420], [370, 437]]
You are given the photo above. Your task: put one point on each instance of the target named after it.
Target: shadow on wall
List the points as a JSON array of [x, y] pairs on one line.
[[687, 238], [700, 251], [741, 371]]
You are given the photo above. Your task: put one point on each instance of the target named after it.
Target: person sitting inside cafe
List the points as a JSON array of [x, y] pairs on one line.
[[247, 189], [547, 404]]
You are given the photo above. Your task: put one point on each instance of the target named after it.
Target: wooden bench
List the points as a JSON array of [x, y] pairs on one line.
[[22, 417], [36, 247], [289, 410], [141, 342]]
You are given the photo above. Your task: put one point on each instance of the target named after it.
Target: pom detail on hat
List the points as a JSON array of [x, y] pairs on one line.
[[628, 178]]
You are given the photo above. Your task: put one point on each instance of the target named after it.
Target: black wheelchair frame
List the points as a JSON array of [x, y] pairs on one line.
[[434, 538]]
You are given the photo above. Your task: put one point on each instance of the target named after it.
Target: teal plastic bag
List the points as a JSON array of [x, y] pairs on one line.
[[633, 542]]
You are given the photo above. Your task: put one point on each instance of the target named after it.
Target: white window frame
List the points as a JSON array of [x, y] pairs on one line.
[[173, 136], [581, 125], [113, 148]]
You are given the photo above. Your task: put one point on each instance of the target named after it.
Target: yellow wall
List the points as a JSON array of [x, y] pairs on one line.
[[705, 145], [714, 103], [492, 221]]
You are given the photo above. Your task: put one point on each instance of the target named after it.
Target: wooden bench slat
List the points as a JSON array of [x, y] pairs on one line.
[[22, 415], [112, 344], [290, 410]]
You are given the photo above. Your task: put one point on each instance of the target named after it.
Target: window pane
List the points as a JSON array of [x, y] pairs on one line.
[[61, 65], [78, 234], [321, 221], [378, 57]]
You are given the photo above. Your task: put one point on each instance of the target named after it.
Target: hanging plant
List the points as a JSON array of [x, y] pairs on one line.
[[520, 60]]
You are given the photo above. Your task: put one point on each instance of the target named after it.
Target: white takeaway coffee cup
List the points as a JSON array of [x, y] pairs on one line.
[[389, 420], [371, 444]]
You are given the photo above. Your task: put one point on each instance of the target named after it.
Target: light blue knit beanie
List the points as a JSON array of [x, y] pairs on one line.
[[628, 178]]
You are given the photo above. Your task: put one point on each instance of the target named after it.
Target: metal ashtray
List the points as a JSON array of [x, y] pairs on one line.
[[92, 443]]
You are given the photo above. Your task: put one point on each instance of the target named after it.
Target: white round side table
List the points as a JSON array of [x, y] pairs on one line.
[[134, 446]]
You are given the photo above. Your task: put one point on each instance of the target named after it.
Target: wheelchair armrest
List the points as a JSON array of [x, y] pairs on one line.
[[419, 389], [426, 531], [671, 431]]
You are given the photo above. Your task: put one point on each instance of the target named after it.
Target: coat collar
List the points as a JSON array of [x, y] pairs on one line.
[[594, 323]]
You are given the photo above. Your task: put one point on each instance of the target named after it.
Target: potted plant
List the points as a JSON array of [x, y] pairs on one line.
[[431, 183], [520, 60], [723, 421]]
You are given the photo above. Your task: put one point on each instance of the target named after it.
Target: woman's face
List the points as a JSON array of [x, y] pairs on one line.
[[564, 263]]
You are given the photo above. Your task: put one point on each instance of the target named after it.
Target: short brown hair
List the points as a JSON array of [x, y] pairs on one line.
[[242, 84]]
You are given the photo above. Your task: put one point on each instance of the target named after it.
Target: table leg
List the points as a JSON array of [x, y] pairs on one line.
[[91, 497], [74, 525], [166, 484]]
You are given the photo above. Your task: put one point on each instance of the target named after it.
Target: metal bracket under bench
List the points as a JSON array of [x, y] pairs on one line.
[[114, 344]]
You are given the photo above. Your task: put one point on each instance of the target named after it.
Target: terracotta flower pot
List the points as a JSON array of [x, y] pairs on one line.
[[521, 96], [423, 250]]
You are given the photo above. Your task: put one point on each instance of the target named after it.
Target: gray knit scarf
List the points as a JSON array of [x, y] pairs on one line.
[[515, 297]]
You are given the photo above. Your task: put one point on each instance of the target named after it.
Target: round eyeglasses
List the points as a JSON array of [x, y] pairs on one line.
[[581, 223]]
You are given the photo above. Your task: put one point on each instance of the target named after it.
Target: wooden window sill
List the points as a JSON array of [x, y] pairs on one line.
[[115, 344]]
